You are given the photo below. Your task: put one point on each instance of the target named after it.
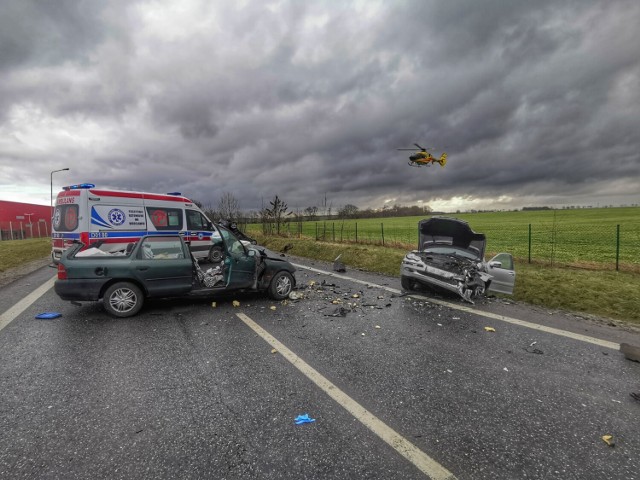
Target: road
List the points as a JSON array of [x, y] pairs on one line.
[[400, 387]]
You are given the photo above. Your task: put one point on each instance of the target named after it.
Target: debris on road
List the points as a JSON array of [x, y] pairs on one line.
[[236, 303], [635, 396], [48, 315], [300, 419], [608, 439], [489, 329], [631, 352], [338, 266]]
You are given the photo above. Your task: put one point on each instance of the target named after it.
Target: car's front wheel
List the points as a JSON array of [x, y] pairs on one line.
[[407, 283], [281, 285], [123, 299]]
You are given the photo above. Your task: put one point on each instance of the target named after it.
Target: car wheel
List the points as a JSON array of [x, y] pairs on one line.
[[407, 283], [215, 255], [123, 299], [281, 285]]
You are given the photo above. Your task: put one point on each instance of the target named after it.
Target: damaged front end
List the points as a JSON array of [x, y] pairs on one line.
[[449, 272]]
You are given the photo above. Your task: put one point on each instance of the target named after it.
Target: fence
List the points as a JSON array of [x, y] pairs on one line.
[[23, 229], [589, 246]]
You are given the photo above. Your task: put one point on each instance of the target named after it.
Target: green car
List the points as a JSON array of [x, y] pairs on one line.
[[162, 266]]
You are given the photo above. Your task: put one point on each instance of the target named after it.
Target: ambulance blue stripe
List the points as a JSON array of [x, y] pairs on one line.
[[96, 219]]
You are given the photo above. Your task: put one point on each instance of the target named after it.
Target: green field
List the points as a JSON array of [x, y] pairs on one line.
[[598, 238]]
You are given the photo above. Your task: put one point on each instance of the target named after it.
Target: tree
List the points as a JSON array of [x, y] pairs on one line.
[[276, 213], [311, 213], [348, 211], [228, 207]]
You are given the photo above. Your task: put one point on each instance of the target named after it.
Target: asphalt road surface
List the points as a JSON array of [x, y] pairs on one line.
[[399, 386]]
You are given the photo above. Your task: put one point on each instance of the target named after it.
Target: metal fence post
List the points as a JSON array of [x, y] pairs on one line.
[[356, 232], [617, 246], [529, 243], [382, 230]]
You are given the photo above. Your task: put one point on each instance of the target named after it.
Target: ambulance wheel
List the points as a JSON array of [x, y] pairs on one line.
[[281, 285], [215, 255], [123, 299]]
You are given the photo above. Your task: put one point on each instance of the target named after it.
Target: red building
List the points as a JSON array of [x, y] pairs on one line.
[[24, 220]]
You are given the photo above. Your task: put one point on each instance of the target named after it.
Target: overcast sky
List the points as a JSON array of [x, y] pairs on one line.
[[535, 102]]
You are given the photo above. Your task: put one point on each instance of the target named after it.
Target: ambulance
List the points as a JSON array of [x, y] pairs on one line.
[[117, 219]]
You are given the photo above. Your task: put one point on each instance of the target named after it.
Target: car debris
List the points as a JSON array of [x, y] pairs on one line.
[[338, 266], [450, 256]]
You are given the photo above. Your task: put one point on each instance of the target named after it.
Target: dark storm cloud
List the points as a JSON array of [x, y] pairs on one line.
[[534, 102]]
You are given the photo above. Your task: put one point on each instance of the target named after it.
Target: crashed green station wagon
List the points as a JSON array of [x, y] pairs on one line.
[[162, 266]]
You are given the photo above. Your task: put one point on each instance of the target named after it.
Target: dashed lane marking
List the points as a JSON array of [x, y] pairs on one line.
[[463, 308], [408, 450]]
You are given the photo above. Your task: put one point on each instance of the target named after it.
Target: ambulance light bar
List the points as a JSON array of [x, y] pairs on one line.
[[79, 186], [177, 194]]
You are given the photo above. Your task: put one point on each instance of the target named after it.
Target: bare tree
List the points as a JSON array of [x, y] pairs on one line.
[[228, 207], [311, 213]]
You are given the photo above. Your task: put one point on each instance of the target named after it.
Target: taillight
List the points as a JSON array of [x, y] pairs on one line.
[[62, 272]]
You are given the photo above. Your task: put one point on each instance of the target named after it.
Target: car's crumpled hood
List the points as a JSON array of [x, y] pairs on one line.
[[265, 252], [449, 231]]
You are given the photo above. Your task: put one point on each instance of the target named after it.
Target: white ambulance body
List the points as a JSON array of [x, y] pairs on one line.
[[117, 218]]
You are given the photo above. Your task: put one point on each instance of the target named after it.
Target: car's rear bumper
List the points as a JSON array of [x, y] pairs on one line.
[[84, 289]]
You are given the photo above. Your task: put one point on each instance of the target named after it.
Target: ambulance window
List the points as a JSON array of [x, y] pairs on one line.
[[165, 218], [65, 218], [195, 220]]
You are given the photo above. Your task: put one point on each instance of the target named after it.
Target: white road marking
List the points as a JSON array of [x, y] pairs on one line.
[[494, 316], [408, 450], [7, 317]]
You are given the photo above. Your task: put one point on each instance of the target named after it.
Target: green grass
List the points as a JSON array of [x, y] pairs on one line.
[[14, 253], [586, 238], [607, 294]]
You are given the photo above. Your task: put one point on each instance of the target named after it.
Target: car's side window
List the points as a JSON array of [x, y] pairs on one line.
[[232, 243], [161, 248], [165, 218], [505, 259], [196, 221]]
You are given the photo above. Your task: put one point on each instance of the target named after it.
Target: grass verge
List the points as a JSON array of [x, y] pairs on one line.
[[14, 253], [607, 294]]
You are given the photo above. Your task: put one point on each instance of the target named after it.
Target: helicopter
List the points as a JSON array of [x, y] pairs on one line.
[[423, 158]]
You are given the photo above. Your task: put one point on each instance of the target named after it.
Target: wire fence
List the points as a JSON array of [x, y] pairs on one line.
[[23, 230], [590, 246]]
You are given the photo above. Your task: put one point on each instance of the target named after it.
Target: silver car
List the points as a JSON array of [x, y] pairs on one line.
[[450, 256]]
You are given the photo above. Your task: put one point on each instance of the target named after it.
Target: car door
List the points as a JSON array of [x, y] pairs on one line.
[[502, 270], [163, 264], [240, 267]]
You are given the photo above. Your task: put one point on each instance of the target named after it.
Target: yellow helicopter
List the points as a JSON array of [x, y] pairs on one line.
[[424, 158]]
